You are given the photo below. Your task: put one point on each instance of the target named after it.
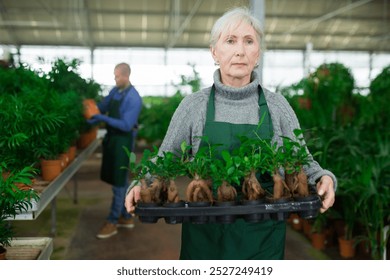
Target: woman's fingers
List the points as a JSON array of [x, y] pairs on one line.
[[131, 198], [325, 189]]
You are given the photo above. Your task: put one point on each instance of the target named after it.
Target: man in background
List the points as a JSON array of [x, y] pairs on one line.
[[119, 111]]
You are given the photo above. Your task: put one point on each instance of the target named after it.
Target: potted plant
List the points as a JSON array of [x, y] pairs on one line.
[[318, 235], [13, 200], [198, 169], [166, 168], [348, 197], [26, 114], [294, 157], [31, 115], [226, 175], [374, 200], [252, 165], [65, 79]]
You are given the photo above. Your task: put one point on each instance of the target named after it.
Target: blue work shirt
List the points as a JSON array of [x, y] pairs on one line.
[[129, 110]]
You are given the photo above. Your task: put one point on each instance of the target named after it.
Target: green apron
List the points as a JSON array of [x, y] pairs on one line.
[[240, 240], [114, 156]]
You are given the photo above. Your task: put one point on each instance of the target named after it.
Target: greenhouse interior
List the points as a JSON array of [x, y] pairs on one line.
[[60, 60]]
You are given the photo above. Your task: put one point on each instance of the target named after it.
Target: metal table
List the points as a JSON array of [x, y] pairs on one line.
[[50, 192]]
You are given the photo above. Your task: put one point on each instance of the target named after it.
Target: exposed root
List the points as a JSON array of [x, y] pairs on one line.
[[173, 194], [302, 185], [146, 193], [291, 182], [199, 190], [251, 187], [280, 186], [226, 192]]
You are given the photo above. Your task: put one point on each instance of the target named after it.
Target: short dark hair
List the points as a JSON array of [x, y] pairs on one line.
[[124, 68]]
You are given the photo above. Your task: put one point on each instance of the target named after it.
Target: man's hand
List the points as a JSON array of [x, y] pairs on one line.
[[99, 118], [325, 189]]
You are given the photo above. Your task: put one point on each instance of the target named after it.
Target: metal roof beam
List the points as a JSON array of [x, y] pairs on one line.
[[327, 16], [8, 29], [84, 14], [184, 25]]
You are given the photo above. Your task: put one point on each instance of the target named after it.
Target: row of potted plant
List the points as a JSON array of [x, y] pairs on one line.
[[353, 141], [41, 113], [41, 119], [231, 177]]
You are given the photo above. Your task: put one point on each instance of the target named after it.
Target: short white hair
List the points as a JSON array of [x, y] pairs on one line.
[[233, 18]]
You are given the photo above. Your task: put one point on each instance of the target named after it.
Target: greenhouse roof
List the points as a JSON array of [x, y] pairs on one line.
[[360, 25]]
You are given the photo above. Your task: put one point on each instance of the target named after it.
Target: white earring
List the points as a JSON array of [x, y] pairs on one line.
[[216, 63]]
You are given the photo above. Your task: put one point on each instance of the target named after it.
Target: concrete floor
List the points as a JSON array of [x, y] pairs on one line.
[[158, 241]]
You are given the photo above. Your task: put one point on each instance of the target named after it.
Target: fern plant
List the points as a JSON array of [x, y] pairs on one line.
[[12, 199]]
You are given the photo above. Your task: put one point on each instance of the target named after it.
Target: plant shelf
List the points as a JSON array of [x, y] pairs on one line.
[[55, 186]]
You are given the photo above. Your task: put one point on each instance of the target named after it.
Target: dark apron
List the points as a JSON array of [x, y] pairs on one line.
[[240, 240], [114, 156]]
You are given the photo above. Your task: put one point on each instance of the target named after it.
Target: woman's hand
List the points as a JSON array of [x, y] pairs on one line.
[[131, 198], [325, 189]]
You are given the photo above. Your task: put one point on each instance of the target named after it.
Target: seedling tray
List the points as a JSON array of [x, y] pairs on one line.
[[251, 211]]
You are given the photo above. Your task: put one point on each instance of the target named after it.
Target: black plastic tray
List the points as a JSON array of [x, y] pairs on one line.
[[251, 211]]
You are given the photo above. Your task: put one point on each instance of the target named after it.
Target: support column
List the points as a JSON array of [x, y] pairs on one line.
[[370, 63], [258, 9], [92, 58], [306, 59]]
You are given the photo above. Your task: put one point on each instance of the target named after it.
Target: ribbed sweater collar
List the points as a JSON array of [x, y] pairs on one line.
[[236, 93]]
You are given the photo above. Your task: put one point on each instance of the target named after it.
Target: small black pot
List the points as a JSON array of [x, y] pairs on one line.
[[174, 219], [280, 215], [310, 213], [199, 219], [225, 219], [147, 219], [255, 217]]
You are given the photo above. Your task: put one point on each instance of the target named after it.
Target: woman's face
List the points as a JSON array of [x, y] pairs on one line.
[[237, 52]]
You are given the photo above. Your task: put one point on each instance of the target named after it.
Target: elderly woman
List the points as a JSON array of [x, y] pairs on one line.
[[229, 108]]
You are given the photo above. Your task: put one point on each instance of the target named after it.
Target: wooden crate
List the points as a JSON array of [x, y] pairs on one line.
[[30, 248]]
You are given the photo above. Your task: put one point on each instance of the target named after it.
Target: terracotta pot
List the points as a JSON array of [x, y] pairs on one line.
[[64, 160], [3, 253], [296, 222], [346, 248], [87, 138], [50, 169], [364, 248], [306, 228], [304, 103], [20, 186], [72, 153], [23, 187], [318, 240], [90, 108]]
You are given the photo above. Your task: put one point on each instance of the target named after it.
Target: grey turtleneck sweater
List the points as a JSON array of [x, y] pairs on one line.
[[238, 106]]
